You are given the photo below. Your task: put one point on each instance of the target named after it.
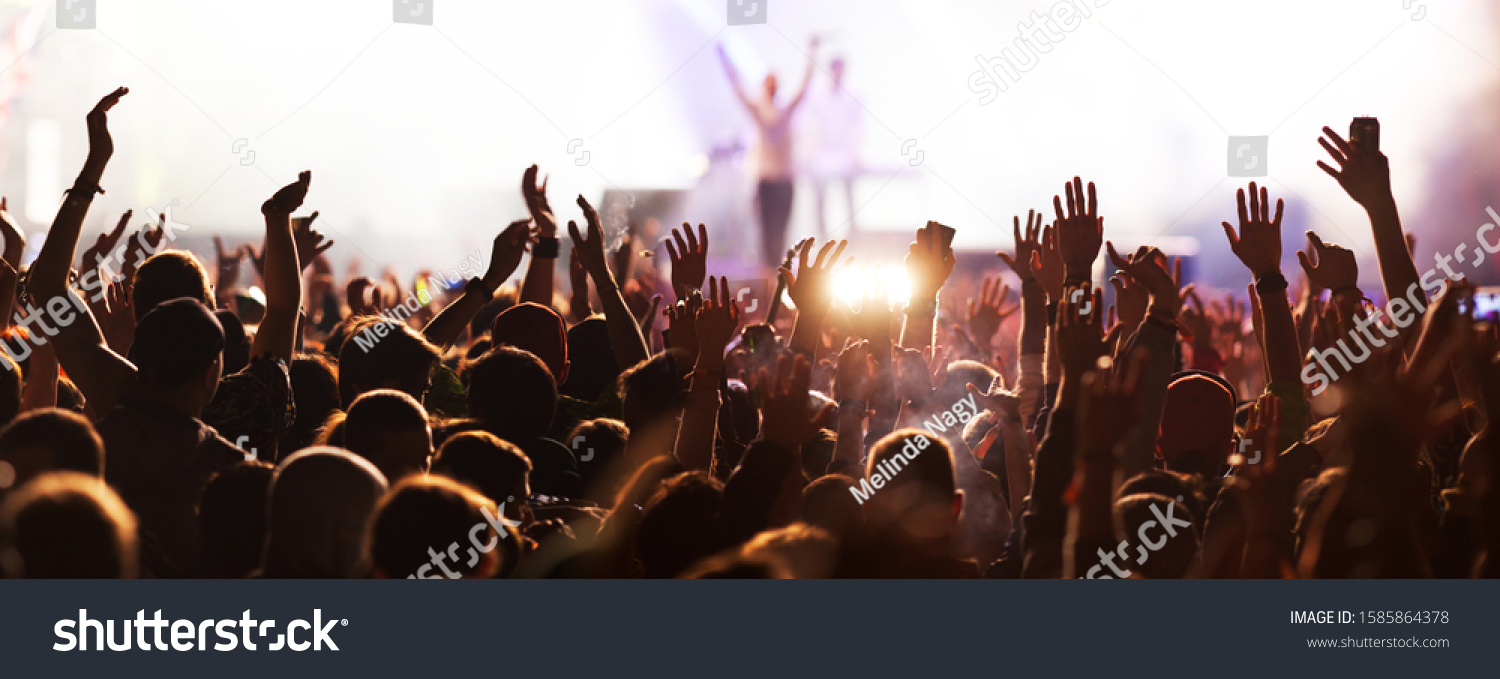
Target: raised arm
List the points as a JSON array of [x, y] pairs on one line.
[[102, 375], [714, 326], [811, 289], [734, 80], [539, 273], [1366, 177], [15, 242], [928, 264], [277, 336], [812, 64], [624, 335], [505, 255]]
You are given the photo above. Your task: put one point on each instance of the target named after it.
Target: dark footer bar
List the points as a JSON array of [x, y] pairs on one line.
[[745, 628]]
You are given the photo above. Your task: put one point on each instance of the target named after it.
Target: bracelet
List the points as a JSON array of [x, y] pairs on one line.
[[854, 405], [546, 247], [1270, 283], [476, 286], [926, 308]]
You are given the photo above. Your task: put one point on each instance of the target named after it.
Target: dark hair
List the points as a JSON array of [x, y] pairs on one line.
[[315, 386], [917, 472], [603, 440], [489, 464], [593, 366], [169, 274], [512, 394], [677, 525], [423, 515], [391, 357], [100, 530], [828, 504], [232, 520], [537, 329], [70, 397], [372, 424], [175, 342], [652, 388], [1177, 553], [67, 439]]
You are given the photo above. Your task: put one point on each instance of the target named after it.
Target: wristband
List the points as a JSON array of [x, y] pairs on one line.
[[1270, 283], [854, 405], [476, 286], [546, 247], [926, 308]]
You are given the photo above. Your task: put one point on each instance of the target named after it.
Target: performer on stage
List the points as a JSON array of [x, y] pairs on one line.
[[772, 154]]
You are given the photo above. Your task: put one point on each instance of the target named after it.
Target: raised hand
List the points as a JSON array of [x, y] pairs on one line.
[[1258, 244], [873, 320], [928, 262], [718, 319], [146, 242], [578, 279], [590, 248], [811, 288], [1330, 266], [15, 241], [1132, 299], [289, 197], [1080, 232], [1197, 322], [689, 259], [988, 313], [309, 242], [997, 400], [1148, 267], [682, 330], [1028, 248], [1365, 176], [536, 202], [506, 251], [359, 303], [101, 145], [857, 373], [117, 321], [100, 251], [1051, 269], [787, 415]]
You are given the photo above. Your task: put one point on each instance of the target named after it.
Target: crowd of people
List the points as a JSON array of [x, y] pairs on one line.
[[156, 425]]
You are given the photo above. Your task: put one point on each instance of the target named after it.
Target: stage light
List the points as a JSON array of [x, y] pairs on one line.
[[851, 284]]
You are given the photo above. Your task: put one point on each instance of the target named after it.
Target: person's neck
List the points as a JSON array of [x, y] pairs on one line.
[[181, 401]]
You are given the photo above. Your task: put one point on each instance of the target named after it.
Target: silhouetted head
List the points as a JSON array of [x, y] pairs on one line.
[[48, 440], [379, 354], [232, 520], [319, 505], [420, 517], [66, 525], [537, 329], [390, 429], [913, 496], [178, 348], [512, 394], [169, 274]]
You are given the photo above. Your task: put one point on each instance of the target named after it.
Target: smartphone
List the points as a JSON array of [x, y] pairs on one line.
[[1364, 133], [948, 233], [1486, 302]]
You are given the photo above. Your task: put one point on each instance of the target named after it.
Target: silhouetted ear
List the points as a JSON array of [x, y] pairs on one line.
[[958, 505], [564, 376]]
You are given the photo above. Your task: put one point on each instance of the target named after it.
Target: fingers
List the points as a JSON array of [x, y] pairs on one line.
[[1254, 203], [1117, 260], [1343, 146], [692, 240], [1234, 239], [1307, 265], [672, 255], [1240, 200]]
